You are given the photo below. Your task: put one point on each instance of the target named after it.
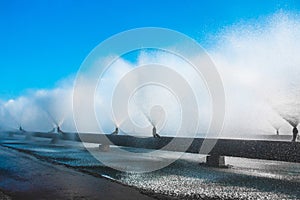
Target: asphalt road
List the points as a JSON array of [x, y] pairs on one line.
[[24, 177]]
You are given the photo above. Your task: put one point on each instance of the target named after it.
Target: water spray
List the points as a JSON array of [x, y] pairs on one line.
[[51, 131], [295, 134], [54, 122], [116, 131], [12, 117], [154, 133], [294, 123], [21, 129], [59, 130], [275, 126]]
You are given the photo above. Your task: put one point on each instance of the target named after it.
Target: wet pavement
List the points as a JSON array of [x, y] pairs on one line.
[[185, 178], [23, 176]]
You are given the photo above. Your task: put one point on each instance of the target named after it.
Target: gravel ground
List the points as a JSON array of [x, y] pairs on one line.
[[195, 182], [4, 196]]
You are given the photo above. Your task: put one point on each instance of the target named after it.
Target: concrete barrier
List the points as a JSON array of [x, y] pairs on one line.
[[256, 149]]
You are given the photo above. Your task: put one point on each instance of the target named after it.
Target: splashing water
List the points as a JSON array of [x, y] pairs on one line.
[[259, 65]]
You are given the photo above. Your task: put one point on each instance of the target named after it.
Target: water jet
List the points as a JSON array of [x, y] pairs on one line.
[[295, 134], [116, 131], [154, 133]]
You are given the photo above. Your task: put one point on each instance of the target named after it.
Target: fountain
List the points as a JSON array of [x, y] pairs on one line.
[[275, 126], [290, 112], [59, 130], [242, 69], [154, 133], [21, 129], [295, 134], [116, 131]]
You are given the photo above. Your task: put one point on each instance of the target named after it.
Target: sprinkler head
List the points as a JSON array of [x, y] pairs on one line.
[[116, 131]]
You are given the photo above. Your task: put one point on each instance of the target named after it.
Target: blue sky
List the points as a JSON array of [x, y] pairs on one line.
[[44, 41]]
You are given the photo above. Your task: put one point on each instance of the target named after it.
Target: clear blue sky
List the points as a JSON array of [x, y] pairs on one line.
[[44, 41]]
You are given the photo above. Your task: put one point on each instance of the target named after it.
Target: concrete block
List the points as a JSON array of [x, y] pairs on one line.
[[104, 147], [215, 161]]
